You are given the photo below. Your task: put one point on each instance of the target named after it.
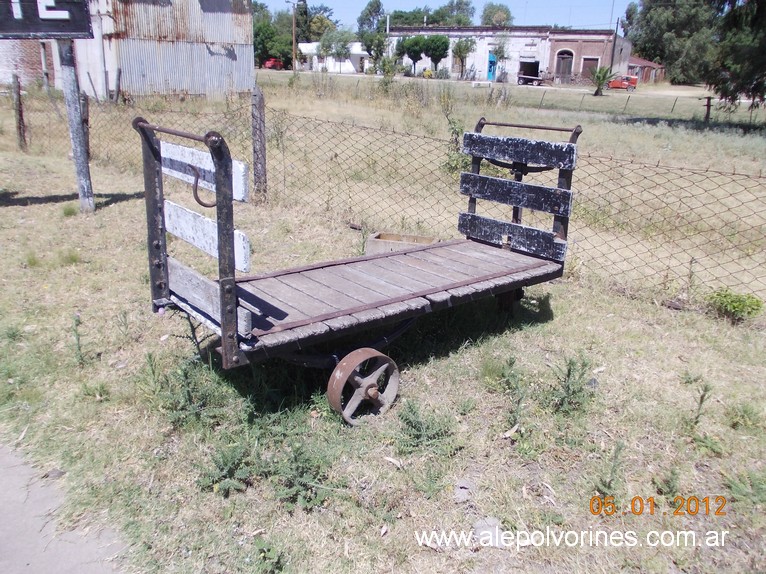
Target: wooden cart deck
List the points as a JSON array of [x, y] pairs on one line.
[[297, 307]]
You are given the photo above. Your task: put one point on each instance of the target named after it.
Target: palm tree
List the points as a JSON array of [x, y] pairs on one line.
[[600, 77]]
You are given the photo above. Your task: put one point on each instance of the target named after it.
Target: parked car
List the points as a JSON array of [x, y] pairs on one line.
[[623, 83], [273, 64]]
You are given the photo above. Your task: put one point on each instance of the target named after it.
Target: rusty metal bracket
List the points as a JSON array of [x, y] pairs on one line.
[[195, 188]]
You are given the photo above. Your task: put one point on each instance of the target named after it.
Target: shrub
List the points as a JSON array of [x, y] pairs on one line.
[[734, 306], [442, 74]]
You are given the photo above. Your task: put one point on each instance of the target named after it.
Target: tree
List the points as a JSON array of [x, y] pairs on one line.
[[410, 18], [260, 13], [323, 10], [678, 34], [302, 22], [454, 13], [338, 41], [631, 15], [370, 30], [414, 49], [461, 50], [318, 26], [263, 35], [740, 53], [436, 48], [600, 77], [496, 15]]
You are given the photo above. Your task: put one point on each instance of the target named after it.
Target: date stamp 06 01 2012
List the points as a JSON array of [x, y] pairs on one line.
[[684, 506]]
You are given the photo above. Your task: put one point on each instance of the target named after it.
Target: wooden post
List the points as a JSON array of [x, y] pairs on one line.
[[21, 128], [117, 80], [85, 111], [259, 140], [44, 64], [76, 135], [708, 99]]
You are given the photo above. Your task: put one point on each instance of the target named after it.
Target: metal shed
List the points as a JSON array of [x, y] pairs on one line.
[[167, 47]]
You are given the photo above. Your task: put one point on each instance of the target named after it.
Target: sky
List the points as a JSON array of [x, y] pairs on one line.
[[589, 14]]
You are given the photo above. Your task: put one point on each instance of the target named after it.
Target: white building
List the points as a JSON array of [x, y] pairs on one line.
[[356, 63], [556, 54]]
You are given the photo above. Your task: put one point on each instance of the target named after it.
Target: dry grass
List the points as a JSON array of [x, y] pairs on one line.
[[117, 399], [134, 451]]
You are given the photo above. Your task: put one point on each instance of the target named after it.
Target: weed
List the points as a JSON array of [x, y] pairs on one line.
[[425, 432], [608, 485], [466, 406], [505, 378], [430, 482], [231, 470], [572, 392], [192, 395], [69, 257], [98, 392], [13, 334], [69, 210], [123, 328], [688, 379], [271, 560], [748, 487], [299, 478], [31, 260], [743, 416], [734, 306], [78, 353], [704, 394], [707, 443], [668, 484]]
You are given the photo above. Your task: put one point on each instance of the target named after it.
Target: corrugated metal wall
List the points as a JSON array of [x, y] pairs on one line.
[[219, 21], [150, 67], [168, 46]]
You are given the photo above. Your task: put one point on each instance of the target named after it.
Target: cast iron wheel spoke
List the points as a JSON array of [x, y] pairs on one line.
[[365, 382]]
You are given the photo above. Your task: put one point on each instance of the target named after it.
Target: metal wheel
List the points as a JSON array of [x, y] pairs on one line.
[[365, 382], [521, 81], [631, 88], [607, 86], [535, 82]]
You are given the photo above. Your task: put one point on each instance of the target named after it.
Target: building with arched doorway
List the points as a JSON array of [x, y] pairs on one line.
[[520, 54]]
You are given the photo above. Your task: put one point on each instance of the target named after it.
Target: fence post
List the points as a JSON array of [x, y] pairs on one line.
[[72, 101], [259, 140], [85, 111], [21, 128]]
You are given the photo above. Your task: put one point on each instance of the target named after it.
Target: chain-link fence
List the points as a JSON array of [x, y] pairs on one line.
[[637, 225]]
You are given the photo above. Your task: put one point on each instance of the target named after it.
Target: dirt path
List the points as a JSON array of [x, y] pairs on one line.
[[29, 540]]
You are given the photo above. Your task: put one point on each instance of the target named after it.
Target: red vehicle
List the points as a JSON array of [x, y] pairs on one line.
[[273, 64], [623, 83]]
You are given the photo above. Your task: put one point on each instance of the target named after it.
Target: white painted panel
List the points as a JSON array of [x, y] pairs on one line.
[[239, 170], [202, 232]]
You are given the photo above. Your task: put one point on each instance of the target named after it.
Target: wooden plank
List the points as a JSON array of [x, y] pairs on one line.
[[478, 265], [458, 263], [393, 271], [177, 161], [561, 155], [270, 306], [538, 197], [387, 286], [306, 304], [494, 254], [202, 233], [331, 295], [203, 294], [519, 237], [330, 278]]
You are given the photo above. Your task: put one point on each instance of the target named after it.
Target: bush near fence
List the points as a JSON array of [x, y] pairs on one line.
[[643, 227]]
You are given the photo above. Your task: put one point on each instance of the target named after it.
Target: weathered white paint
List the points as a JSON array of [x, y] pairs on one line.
[[202, 232], [203, 161]]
